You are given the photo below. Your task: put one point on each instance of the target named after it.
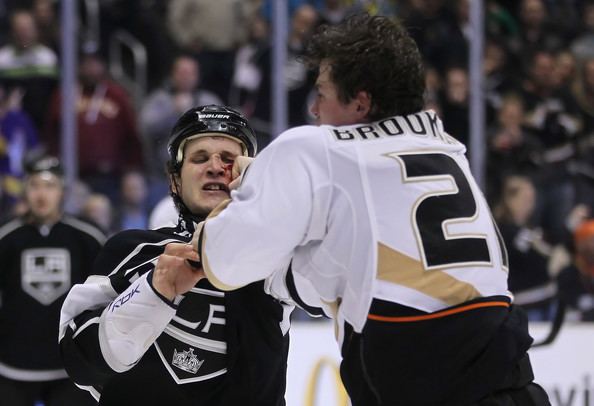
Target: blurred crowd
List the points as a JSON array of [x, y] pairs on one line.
[[538, 67]]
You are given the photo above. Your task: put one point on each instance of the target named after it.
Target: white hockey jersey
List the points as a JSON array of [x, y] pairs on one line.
[[385, 210]]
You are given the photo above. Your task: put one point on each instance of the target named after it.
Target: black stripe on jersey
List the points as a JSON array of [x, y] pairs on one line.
[[290, 281], [126, 271], [391, 309], [82, 356], [149, 279]]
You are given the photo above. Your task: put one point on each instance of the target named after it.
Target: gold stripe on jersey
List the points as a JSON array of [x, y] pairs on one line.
[[333, 308], [396, 267]]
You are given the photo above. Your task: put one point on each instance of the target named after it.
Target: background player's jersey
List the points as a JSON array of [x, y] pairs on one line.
[[399, 188], [39, 265], [127, 345]]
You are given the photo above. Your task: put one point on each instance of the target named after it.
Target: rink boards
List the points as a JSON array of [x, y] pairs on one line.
[[565, 368]]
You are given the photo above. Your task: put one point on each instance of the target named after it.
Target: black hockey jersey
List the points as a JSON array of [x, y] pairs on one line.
[[213, 348], [39, 266]]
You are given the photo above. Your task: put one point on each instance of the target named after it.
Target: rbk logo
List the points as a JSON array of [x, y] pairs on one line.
[[121, 301]]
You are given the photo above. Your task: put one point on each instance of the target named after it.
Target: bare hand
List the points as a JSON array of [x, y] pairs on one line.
[[173, 274], [239, 166]]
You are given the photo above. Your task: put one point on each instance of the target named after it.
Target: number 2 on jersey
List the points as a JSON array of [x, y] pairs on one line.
[[438, 207]]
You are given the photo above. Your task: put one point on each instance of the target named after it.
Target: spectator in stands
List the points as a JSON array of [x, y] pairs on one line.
[[583, 166], [298, 79], [98, 210], [18, 138], [536, 30], [460, 32], [528, 252], [429, 24], [212, 31], [28, 65], [576, 282], [511, 148], [551, 114], [161, 110], [132, 212], [500, 79], [334, 11], [433, 86], [565, 70], [583, 45], [583, 92], [77, 194], [47, 23], [144, 21], [108, 141], [500, 21], [266, 9], [250, 67], [454, 103]]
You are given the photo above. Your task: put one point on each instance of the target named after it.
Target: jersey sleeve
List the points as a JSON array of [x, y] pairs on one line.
[[266, 219], [294, 289], [108, 323]]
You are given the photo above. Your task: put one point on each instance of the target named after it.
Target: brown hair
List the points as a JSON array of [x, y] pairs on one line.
[[374, 54]]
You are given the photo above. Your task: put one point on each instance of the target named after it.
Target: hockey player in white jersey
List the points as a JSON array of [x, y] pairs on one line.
[[374, 219]]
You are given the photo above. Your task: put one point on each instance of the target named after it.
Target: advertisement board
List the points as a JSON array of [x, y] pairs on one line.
[[565, 368]]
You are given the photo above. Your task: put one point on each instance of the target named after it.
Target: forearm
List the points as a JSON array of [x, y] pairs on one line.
[[103, 334], [131, 323], [230, 262]]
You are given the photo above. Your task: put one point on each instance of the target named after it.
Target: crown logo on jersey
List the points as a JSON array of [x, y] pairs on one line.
[[187, 361]]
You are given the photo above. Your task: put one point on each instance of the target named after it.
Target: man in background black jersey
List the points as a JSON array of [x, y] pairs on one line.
[[150, 333], [42, 254]]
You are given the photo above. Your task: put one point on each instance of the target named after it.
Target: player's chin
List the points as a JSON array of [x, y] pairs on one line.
[[211, 199]]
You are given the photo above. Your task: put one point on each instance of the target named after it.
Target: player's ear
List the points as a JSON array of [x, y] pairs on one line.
[[174, 183], [363, 105]]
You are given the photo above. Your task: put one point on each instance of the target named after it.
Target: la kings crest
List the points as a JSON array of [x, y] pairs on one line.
[[192, 347], [45, 273], [187, 361]]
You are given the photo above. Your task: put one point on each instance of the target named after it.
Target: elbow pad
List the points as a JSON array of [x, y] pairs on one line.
[[131, 323]]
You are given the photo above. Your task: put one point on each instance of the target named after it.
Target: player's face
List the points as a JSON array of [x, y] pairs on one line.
[[43, 193], [327, 108], [206, 172]]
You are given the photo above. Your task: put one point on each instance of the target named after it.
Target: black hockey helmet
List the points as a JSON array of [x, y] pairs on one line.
[[45, 163], [206, 120]]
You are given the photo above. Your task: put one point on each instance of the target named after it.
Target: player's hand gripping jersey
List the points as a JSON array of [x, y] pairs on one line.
[[399, 188], [124, 342]]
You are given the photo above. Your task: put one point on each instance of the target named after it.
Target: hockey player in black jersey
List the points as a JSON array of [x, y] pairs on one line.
[[42, 253], [148, 334]]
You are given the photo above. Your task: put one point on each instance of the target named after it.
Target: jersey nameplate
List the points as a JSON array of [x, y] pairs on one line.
[[424, 125]]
